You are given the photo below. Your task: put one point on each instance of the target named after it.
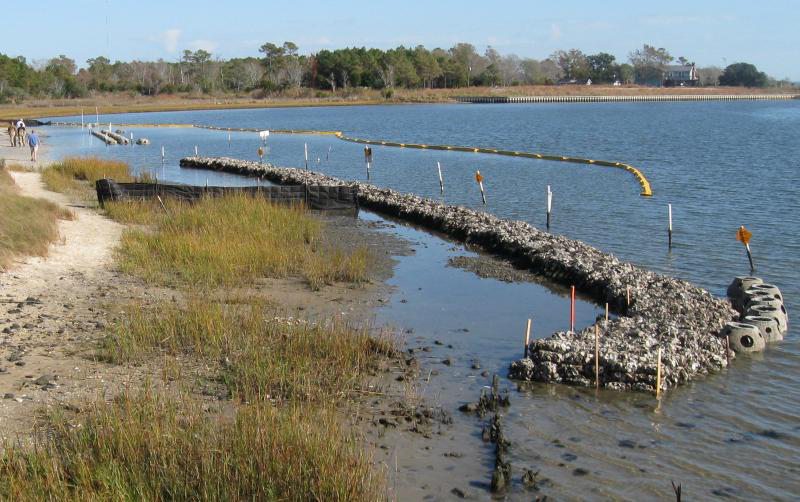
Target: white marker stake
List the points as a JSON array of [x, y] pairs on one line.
[[479, 179], [527, 337], [229, 141], [669, 209], [81, 118], [97, 116], [131, 139], [441, 181], [305, 148], [549, 205], [195, 150], [162, 154]]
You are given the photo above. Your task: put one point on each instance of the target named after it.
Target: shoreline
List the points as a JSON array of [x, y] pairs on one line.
[[682, 319], [112, 105]]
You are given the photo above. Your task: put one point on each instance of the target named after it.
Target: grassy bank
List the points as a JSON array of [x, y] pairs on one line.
[[76, 174], [264, 359], [28, 226], [153, 447], [231, 240], [126, 103], [276, 426]]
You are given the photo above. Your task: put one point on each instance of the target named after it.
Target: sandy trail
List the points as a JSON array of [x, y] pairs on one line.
[[49, 308]]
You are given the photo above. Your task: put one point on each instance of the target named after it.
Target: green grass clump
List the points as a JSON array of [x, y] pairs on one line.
[[74, 173], [262, 358], [27, 225], [150, 447], [230, 240]]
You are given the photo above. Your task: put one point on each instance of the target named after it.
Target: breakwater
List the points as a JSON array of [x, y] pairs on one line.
[[611, 99], [655, 311]]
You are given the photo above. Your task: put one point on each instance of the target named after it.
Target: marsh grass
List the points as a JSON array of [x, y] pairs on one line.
[[27, 225], [19, 168], [262, 358], [231, 240], [76, 173], [152, 447]]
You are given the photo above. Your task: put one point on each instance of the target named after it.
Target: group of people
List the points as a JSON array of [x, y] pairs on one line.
[[18, 136]]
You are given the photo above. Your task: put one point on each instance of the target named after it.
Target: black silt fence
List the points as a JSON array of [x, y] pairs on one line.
[[316, 197]]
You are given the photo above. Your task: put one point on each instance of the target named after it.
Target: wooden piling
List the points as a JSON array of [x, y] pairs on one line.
[[596, 356], [606, 312], [658, 374]]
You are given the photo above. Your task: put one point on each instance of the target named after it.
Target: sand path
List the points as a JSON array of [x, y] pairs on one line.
[[50, 307]]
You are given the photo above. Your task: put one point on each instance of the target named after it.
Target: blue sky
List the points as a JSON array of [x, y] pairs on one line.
[[709, 32]]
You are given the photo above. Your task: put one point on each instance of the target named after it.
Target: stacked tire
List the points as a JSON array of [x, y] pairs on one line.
[[763, 315]]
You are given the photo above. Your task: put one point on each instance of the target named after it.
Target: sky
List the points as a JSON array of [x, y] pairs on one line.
[[709, 32]]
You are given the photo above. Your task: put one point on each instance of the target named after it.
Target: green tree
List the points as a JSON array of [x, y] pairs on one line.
[[649, 64], [602, 68], [573, 64], [743, 75]]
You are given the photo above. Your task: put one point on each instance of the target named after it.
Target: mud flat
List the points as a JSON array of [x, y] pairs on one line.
[[655, 311]]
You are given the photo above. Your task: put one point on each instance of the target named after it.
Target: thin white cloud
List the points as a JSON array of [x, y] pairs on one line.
[[170, 39], [555, 31]]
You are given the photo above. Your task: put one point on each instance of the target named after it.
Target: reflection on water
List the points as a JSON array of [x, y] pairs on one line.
[[720, 165]]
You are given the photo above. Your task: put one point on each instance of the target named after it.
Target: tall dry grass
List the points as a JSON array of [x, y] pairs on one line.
[[27, 225], [262, 358], [75, 173], [229, 240], [151, 447]]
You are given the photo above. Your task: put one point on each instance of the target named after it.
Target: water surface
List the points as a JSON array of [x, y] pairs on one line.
[[733, 435]]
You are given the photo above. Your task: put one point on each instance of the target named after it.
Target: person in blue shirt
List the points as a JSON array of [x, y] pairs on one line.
[[33, 142]]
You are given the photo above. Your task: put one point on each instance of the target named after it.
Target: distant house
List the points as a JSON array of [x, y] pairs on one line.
[[680, 75]]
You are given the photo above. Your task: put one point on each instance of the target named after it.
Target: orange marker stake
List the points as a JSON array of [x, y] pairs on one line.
[[743, 236], [572, 310]]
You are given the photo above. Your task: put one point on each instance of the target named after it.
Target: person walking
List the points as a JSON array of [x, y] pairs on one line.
[[33, 142], [20, 132]]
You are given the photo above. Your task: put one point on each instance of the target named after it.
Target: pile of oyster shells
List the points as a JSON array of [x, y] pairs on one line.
[[655, 310]]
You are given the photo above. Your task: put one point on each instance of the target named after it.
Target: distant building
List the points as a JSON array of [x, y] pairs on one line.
[[681, 75]]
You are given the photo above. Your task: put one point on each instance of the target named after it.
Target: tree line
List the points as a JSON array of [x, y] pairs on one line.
[[279, 68]]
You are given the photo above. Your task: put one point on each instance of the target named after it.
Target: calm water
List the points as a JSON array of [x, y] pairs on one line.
[[721, 165]]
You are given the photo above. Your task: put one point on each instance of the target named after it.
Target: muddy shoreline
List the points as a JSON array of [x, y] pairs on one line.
[[655, 310]]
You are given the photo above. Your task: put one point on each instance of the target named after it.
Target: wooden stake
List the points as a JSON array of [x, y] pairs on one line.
[[527, 337], [628, 295], [669, 229], [441, 181], [549, 205], [305, 149], [162, 204], [596, 356], [727, 351], [606, 312], [572, 310], [658, 374]]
